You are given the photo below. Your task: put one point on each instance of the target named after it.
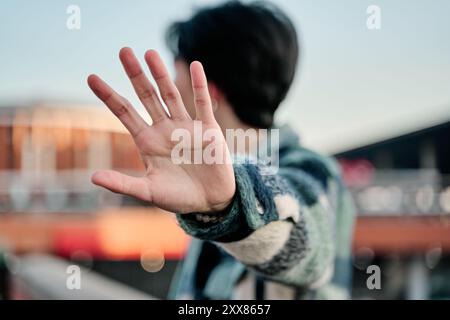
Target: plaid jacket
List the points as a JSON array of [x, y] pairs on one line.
[[285, 236]]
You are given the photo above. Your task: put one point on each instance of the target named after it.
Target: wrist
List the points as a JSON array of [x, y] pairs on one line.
[[216, 214]]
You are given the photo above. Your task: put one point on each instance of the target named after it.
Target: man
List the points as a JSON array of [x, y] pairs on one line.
[[257, 236]]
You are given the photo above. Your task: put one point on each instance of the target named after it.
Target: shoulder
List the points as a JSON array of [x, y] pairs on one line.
[[316, 165]]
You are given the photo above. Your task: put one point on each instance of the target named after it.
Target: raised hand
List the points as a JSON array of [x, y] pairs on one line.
[[181, 188]]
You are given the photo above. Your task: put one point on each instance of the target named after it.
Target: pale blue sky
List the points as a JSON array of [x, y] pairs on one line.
[[354, 85]]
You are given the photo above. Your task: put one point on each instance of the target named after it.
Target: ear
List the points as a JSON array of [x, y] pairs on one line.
[[215, 94]]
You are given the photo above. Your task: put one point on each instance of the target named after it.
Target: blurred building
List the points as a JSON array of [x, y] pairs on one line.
[[48, 203], [401, 187], [406, 174], [49, 152]]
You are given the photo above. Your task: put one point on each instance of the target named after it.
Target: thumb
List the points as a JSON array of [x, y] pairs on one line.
[[124, 184]]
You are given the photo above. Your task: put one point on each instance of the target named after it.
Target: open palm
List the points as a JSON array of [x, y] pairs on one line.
[[181, 188]]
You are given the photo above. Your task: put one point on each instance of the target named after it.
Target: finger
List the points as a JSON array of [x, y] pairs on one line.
[[144, 89], [118, 105], [202, 100], [168, 90], [123, 184]]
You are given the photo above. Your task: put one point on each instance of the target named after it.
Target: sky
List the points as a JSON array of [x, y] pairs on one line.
[[354, 85]]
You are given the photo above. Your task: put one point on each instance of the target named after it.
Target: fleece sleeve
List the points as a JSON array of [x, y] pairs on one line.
[[280, 225]]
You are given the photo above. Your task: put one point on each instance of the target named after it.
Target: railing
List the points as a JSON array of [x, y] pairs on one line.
[[388, 192], [53, 191], [403, 192], [40, 276]]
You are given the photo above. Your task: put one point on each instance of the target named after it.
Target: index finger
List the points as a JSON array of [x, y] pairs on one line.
[[118, 105]]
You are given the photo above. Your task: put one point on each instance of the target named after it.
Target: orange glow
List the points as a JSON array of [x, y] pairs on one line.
[[129, 232]]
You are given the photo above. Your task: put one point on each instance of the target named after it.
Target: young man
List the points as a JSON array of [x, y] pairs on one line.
[[285, 235]]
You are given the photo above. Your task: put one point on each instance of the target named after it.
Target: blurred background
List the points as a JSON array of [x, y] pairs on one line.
[[377, 99]]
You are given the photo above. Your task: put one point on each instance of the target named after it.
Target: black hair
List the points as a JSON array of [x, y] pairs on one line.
[[249, 51]]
